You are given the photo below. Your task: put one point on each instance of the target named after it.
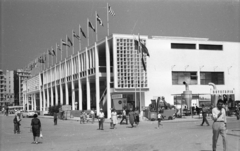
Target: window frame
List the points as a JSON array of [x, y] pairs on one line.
[[211, 77], [191, 77]]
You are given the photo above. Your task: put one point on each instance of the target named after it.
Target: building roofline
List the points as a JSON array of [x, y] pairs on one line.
[[180, 38]]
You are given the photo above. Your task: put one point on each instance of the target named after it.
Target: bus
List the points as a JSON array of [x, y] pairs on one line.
[[12, 109]]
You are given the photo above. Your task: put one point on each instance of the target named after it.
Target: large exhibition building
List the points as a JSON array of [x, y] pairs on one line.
[[110, 74]]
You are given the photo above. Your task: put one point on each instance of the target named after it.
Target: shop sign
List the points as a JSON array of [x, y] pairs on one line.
[[117, 96], [221, 92]]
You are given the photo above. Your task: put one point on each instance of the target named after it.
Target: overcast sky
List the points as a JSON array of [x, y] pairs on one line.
[[30, 27]]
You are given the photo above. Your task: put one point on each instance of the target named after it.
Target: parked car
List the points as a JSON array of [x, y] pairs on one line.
[[28, 113]]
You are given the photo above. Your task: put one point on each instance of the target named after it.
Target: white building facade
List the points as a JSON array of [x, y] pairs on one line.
[[109, 74]]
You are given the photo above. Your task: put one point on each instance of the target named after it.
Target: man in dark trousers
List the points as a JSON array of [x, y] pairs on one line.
[[101, 119], [124, 116], [55, 116], [204, 115], [6, 113]]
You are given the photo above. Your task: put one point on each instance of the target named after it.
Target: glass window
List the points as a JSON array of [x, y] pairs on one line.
[[210, 47], [183, 46], [179, 77], [212, 77]]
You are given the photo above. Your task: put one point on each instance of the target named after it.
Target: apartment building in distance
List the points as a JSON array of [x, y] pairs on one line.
[[2, 88]]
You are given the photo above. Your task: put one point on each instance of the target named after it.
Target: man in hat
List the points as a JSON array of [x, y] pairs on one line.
[[101, 119]]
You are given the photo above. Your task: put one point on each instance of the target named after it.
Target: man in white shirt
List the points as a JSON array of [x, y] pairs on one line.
[[124, 116], [219, 125], [101, 119], [93, 115]]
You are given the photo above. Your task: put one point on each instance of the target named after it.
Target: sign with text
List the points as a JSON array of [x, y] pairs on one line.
[[221, 92], [66, 107], [117, 96]]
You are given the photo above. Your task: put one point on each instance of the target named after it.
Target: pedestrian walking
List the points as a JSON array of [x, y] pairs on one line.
[[131, 117], [124, 116], [101, 119], [114, 118], [55, 117], [36, 129], [159, 118], [81, 117], [237, 112], [219, 125], [197, 110], [17, 124], [136, 116], [93, 115], [6, 112], [204, 115]]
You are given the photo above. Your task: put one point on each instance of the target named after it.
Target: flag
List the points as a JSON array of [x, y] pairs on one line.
[[143, 63], [65, 44], [40, 59], [58, 48], [53, 52], [141, 47], [111, 11], [83, 33], [69, 40], [99, 20], [36, 63], [91, 26], [76, 36], [49, 52], [136, 45], [144, 49]]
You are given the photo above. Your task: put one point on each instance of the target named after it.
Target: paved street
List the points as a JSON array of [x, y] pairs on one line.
[[69, 135]]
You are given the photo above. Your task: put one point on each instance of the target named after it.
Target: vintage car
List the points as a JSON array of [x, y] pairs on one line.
[[28, 113]]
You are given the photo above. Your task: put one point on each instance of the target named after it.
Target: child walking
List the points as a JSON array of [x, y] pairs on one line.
[[159, 119]]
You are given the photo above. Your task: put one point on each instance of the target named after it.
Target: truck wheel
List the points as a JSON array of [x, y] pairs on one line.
[[170, 118]]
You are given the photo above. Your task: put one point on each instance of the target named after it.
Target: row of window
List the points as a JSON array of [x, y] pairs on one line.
[[193, 46], [192, 78]]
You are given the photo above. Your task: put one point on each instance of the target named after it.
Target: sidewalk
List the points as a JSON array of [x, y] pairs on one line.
[[183, 119]]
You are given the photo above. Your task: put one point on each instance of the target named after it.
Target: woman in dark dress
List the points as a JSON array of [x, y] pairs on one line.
[[131, 117], [136, 116], [36, 128]]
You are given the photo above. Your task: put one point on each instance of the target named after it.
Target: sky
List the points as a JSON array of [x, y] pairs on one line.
[[31, 27]]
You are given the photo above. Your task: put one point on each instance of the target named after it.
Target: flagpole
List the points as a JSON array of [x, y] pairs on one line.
[[42, 64], [61, 49], [135, 81], [48, 59], [80, 38], [44, 60], [66, 47], [107, 20], [56, 52], [72, 43], [87, 32], [140, 69], [96, 25], [52, 56]]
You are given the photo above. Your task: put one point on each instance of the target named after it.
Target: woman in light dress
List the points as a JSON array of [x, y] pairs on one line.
[[114, 118]]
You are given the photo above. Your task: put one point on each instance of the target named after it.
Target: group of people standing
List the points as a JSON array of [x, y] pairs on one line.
[[132, 116], [35, 127]]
